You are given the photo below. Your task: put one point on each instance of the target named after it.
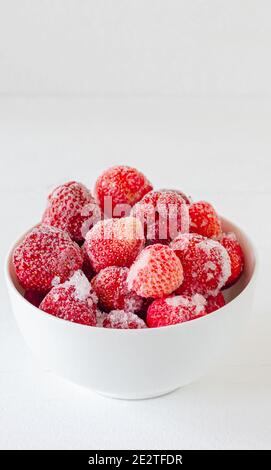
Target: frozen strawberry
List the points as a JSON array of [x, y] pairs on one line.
[[156, 272], [73, 301], [72, 208], [123, 320], [35, 298], [206, 264], [87, 267], [110, 285], [120, 186], [114, 242], [164, 214], [47, 255], [173, 310], [204, 219], [215, 302], [235, 252]]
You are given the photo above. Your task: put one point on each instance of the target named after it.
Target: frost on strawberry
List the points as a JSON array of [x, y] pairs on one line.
[[206, 264], [72, 208], [120, 319], [111, 287], [45, 256], [73, 300], [187, 199], [175, 309]]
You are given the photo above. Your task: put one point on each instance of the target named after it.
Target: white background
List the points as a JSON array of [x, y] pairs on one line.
[[181, 90], [135, 46]]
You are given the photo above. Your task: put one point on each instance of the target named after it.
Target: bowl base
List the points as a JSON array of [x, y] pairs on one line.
[[149, 396]]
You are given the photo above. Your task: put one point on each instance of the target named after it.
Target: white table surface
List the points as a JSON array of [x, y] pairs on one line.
[[217, 149]]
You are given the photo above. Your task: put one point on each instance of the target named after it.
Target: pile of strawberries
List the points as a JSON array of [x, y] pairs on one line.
[[127, 257]]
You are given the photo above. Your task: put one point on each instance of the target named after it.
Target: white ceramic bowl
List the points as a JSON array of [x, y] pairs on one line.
[[136, 364]]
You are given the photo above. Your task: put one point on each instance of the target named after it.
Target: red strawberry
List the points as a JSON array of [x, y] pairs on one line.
[[215, 302], [204, 219], [72, 208], [46, 255], [176, 309], [123, 320], [114, 242], [206, 264], [120, 185], [235, 252], [73, 301], [156, 272], [164, 214], [110, 285]]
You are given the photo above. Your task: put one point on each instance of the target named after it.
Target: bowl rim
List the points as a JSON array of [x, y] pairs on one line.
[[188, 324]]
